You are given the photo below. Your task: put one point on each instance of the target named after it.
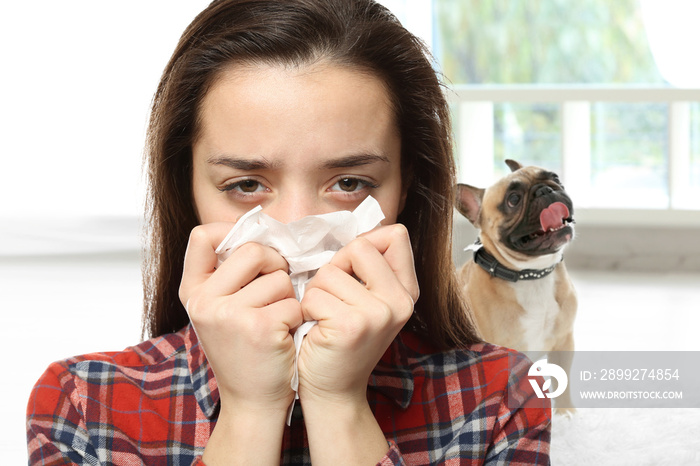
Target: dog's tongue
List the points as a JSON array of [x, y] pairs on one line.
[[553, 216]]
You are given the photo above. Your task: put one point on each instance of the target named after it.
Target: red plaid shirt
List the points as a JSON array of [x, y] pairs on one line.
[[156, 403]]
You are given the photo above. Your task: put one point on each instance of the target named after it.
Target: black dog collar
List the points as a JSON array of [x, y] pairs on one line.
[[496, 269]]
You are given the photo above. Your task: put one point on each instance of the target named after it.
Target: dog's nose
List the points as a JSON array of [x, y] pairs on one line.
[[543, 190]]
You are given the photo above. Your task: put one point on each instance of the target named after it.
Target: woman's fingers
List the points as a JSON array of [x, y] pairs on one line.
[[246, 263], [287, 312], [266, 289], [374, 274], [243, 266], [338, 288], [339, 283], [394, 243], [379, 258], [200, 258], [339, 301]]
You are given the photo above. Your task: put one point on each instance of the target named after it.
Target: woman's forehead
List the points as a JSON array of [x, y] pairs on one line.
[[270, 109]]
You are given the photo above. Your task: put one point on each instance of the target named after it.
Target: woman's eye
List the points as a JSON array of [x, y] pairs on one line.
[[249, 186], [350, 185], [245, 186]]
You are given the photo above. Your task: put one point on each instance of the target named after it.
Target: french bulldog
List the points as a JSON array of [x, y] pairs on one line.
[[517, 285]]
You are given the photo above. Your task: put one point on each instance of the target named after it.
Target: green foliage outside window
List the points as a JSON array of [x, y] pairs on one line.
[[543, 41]]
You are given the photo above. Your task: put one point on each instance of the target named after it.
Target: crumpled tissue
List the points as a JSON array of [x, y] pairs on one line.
[[306, 245]]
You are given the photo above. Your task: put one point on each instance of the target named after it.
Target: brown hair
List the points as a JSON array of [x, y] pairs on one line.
[[356, 33]]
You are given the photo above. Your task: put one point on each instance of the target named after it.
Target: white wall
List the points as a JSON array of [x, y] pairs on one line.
[[76, 84], [77, 81]]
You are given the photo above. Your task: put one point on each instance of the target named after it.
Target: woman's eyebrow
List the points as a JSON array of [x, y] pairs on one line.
[[249, 164], [355, 161], [241, 163]]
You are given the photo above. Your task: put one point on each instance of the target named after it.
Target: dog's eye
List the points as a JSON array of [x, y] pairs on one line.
[[514, 199], [556, 179]]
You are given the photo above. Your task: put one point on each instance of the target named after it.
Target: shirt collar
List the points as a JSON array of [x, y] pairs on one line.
[[392, 377], [204, 385]]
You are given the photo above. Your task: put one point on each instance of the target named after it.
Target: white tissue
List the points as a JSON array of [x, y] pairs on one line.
[[306, 244]]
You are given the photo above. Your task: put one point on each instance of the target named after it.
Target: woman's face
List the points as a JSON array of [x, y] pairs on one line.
[[297, 140]]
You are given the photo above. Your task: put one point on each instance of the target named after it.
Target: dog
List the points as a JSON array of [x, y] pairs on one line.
[[517, 285]]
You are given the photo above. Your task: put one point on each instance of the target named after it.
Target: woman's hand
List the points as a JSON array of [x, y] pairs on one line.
[[243, 313], [357, 320], [361, 301]]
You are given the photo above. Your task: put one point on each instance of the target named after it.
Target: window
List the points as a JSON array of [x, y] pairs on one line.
[[577, 74]]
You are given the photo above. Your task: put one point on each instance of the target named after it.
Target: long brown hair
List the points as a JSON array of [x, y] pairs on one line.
[[356, 33]]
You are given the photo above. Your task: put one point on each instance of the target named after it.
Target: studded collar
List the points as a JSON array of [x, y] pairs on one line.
[[489, 263]]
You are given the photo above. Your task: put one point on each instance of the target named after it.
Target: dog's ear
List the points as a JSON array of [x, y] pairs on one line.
[[513, 165], [469, 202]]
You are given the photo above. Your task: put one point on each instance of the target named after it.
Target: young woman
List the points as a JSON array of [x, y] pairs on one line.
[[303, 107]]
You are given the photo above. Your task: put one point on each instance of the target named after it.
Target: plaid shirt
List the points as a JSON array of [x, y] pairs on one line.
[[156, 403]]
